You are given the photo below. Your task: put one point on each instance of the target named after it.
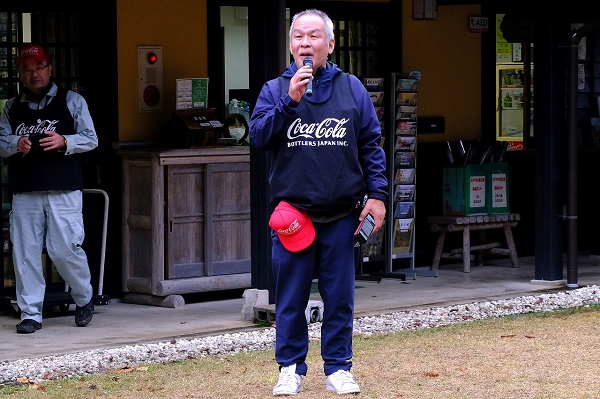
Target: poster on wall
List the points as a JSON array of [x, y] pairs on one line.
[[503, 48], [191, 93]]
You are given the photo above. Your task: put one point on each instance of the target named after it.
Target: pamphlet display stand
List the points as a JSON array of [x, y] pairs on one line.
[[402, 148], [373, 249]]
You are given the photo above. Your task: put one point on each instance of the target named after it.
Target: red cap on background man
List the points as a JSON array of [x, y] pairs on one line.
[[32, 53], [293, 227]]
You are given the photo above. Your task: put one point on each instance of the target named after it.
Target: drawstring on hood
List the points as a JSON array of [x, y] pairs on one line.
[[322, 79]]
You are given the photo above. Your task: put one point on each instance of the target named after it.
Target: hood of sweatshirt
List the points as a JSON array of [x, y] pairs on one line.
[[322, 79]]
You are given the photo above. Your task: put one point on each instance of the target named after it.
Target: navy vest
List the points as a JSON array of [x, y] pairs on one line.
[[41, 170]]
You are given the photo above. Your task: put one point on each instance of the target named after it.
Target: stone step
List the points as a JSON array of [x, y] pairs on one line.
[[266, 313]]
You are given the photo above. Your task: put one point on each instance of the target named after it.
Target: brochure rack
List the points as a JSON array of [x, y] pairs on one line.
[[402, 150], [373, 249]]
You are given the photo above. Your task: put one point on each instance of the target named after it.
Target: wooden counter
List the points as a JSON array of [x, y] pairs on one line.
[[185, 223]]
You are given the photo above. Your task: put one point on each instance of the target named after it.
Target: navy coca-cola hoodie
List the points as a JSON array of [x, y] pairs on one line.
[[324, 150]]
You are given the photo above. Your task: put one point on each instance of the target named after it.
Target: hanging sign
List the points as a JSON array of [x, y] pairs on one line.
[[478, 24]]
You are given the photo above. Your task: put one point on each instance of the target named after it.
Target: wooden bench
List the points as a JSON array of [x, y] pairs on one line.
[[466, 224]]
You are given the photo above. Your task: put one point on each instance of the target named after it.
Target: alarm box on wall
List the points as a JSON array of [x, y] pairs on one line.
[[150, 76], [192, 129]]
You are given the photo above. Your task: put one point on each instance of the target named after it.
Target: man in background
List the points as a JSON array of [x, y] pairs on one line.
[[44, 133]]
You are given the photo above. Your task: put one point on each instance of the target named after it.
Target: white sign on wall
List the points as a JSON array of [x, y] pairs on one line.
[[478, 24]]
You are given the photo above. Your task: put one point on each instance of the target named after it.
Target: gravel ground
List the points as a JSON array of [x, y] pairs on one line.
[[95, 361]]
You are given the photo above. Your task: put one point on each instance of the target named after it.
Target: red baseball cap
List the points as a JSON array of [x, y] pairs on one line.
[[32, 52], [293, 226]]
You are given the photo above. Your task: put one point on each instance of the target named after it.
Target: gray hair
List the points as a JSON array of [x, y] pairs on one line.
[[328, 22]]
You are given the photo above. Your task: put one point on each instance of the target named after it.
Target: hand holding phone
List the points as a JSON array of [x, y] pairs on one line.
[[365, 228]]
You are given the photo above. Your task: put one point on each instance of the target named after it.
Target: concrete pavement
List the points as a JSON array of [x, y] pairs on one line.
[[118, 324]]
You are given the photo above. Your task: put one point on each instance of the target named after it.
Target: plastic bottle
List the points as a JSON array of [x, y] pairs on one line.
[[246, 112], [514, 78], [508, 102], [234, 107], [520, 77], [506, 79], [518, 100]]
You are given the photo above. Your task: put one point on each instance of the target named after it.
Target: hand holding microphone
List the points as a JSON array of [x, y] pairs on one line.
[[308, 61]]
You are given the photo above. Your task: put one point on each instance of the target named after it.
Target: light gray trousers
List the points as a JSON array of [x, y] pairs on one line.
[[53, 218]]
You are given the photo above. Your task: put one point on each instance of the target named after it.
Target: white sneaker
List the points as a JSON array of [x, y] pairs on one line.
[[289, 382], [342, 383]]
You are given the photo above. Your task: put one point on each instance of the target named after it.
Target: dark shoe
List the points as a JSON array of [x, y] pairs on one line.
[[84, 314], [28, 326]]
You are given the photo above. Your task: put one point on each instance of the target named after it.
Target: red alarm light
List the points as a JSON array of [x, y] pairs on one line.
[[151, 58]]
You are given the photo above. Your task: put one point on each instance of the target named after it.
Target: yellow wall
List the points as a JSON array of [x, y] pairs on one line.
[[448, 56], [180, 28], [443, 50]]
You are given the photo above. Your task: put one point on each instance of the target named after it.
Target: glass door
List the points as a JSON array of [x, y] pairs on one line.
[[514, 91], [9, 36], [511, 97]]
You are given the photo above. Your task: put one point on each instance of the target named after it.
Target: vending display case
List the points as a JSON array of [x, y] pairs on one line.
[[513, 99]]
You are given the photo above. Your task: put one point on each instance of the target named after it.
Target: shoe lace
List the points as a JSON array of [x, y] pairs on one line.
[[344, 376], [286, 377]]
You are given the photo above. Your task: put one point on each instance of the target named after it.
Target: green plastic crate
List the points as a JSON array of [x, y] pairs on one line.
[[498, 200], [465, 190]]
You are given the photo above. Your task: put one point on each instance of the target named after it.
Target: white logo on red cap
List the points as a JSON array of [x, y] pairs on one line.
[[291, 230], [30, 51]]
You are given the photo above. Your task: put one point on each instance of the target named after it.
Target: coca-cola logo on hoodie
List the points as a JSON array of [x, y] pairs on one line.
[[329, 128]]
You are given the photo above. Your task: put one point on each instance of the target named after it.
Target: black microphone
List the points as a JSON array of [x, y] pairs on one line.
[[308, 61]]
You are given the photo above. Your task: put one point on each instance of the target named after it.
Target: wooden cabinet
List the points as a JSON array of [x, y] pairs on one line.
[[186, 222]]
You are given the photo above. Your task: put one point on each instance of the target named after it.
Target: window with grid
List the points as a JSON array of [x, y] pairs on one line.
[[10, 35], [57, 31], [357, 47]]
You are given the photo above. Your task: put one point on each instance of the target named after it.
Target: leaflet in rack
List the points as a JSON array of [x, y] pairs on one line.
[[404, 192], [404, 98], [374, 86], [404, 210], [405, 143], [403, 234], [406, 128], [405, 159], [405, 176]]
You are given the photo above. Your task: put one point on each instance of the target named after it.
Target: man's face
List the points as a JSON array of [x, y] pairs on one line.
[[35, 75], [309, 39]]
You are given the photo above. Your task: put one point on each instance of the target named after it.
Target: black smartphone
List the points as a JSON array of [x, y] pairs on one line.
[[35, 141], [365, 228]]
